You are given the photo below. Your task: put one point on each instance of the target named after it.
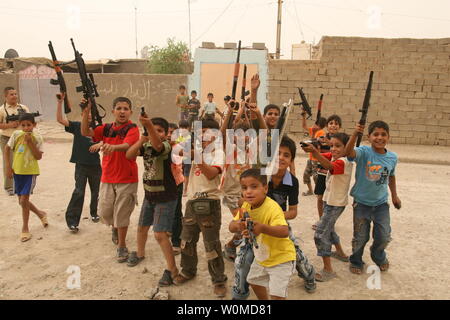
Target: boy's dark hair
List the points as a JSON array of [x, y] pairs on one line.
[[27, 117], [5, 91], [254, 173], [242, 125], [193, 91], [271, 106], [183, 124], [336, 118], [121, 99], [227, 98], [210, 94], [181, 87], [322, 122], [173, 125], [341, 136], [163, 123], [290, 144], [378, 124], [210, 124]]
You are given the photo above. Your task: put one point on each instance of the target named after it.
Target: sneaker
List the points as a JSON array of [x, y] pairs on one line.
[[115, 236], [122, 255], [73, 229], [220, 290], [310, 286], [95, 219]]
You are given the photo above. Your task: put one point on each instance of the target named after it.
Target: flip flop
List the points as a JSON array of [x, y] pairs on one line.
[[335, 255], [44, 220], [25, 236], [355, 269], [384, 267], [324, 276], [309, 193]]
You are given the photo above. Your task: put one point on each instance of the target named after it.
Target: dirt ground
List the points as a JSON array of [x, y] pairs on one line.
[[38, 269]]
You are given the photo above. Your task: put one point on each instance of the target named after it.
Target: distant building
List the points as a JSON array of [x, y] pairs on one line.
[[302, 51]]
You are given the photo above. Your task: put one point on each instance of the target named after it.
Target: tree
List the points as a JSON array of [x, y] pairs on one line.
[[172, 59]]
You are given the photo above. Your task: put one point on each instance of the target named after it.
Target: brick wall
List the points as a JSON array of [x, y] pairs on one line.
[[411, 86]]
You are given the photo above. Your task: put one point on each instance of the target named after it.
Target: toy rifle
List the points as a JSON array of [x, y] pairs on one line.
[[60, 78], [365, 107], [233, 91], [304, 103], [250, 230], [89, 89], [319, 109], [144, 114], [15, 117]]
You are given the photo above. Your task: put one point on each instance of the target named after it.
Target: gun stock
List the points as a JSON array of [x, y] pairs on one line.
[[365, 107], [60, 78]]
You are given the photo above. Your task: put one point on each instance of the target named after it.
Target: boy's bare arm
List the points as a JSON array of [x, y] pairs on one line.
[[291, 213], [323, 161], [304, 124], [37, 154], [393, 187], [59, 114], [254, 83], [85, 129], [8, 165], [350, 146], [152, 134], [224, 128], [135, 149], [274, 231], [254, 108], [210, 172], [110, 148], [236, 226]]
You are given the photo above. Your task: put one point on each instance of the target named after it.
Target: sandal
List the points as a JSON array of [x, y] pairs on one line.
[[355, 269], [305, 194], [133, 259], [166, 279], [180, 279], [335, 255], [44, 220], [25, 236], [323, 276]]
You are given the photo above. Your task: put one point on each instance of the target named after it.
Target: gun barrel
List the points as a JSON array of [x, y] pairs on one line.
[[365, 108]]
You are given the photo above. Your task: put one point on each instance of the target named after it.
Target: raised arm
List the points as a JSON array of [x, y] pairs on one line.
[[254, 88], [135, 149], [59, 113], [254, 108], [350, 146], [85, 129], [315, 152], [152, 134]]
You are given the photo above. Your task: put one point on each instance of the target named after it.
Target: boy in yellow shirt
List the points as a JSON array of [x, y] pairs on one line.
[[275, 256], [26, 146]]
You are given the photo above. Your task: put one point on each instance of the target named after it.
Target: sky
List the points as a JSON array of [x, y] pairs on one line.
[[106, 28]]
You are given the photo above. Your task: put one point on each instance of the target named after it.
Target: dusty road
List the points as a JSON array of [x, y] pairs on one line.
[[38, 269]]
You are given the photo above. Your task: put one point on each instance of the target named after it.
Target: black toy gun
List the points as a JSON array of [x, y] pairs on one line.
[[234, 105], [365, 107], [304, 103], [15, 117], [319, 109], [60, 78], [250, 230], [144, 114], [315, 142], [89, 89]]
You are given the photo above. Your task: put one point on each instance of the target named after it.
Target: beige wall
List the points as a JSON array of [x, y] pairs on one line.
[[218, 79], [411, 89]]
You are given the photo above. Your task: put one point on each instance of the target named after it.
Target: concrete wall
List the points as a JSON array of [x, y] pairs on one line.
[[411, 88]]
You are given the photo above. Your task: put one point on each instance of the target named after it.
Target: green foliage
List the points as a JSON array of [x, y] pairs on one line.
[[171, 59]]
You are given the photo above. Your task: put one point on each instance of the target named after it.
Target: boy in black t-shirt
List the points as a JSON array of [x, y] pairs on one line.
[[87, 170], [284, 189], [194, 108]]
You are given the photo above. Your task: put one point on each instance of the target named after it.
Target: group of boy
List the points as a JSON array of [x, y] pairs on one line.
[[268, 260]]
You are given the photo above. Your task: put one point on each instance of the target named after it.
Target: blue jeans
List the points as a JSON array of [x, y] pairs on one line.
[[159, 215], [362, 217], [305, 270], [242, 264], [325, 235]]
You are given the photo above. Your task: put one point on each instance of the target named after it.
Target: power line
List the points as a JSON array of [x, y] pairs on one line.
[[214, 22], [298, 21]]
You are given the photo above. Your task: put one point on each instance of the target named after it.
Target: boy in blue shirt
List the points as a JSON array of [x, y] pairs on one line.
[[375, 171]]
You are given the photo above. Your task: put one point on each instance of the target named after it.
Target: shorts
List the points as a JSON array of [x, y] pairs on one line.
[[319, 188], [159, 215], [310, 170], [117, 202], [275, 278], [187, 169], [24, 184]]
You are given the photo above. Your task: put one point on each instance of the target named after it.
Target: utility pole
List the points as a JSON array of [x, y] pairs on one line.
[[135, 26], [190, 44], [277, 54]]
